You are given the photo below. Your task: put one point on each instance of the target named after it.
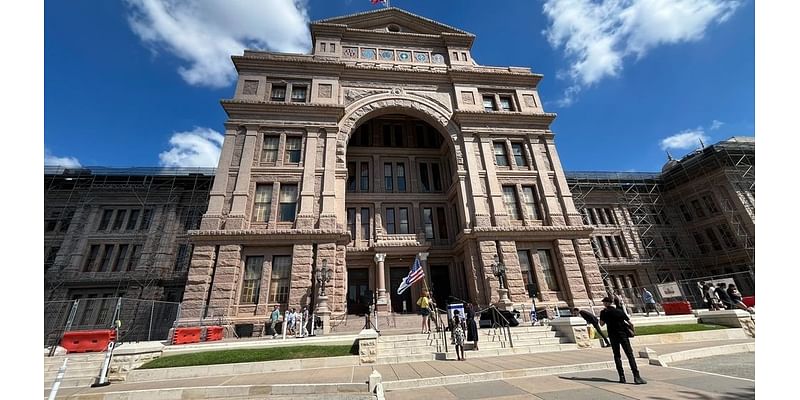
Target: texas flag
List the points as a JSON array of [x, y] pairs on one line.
[[378, 2]]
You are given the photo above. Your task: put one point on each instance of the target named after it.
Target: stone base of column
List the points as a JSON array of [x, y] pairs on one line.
[[324, 314], [504, 303]]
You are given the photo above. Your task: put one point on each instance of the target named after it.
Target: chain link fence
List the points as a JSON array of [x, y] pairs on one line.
[[141, 320]]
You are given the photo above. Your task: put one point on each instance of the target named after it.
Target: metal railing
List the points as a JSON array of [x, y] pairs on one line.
[[505, 326]]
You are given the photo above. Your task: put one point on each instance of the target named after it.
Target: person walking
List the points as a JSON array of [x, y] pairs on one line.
[[736, 299], [472, 327], [722, 293], [290, 318], [649, 302], [458, 336], [618, 325], [592, 320], [273, 321], [424, 304], [619, 302]]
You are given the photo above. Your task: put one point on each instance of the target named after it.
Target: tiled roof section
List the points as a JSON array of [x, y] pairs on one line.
[[345, 18]]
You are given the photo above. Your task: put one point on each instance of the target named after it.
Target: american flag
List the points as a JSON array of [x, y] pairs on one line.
[[414, 275]]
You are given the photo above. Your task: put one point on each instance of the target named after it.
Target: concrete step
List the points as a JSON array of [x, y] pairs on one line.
[[404, 338], [521, 335], [74, 365], [76, 357], [403, 359], [521, 343], [407, 351], [451, 354], [50, 376], [406, 344], [72, 382]]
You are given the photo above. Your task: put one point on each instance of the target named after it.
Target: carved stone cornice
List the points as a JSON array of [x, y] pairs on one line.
[[530, 232], [270, 236], [504, 118]]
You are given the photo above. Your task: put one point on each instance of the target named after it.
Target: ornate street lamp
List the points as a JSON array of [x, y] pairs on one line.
[[324, 276], [499, 270]]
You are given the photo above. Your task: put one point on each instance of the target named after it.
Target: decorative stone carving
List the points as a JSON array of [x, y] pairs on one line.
[[352, 95], [368, 346], [325, 90], [529, 100], [468, 97], [250, 87]]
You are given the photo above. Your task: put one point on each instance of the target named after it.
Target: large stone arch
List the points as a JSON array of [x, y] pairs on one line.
[[398, 102]]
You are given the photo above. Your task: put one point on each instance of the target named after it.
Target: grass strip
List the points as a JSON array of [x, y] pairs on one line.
[[674, 328], [249, 355]]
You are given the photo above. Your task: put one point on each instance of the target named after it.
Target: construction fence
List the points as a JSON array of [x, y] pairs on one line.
[[140, 320]]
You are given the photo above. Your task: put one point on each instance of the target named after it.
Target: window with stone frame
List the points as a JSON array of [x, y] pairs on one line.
[[105, 260], [105, 219], [133, 218], [119, 261], [293, 153], [351, 223], [136, 254], [506, 104], [621, 245], [280, 279], [401, 177], [548, 270], [365, 224], [687, 216], [91, 258], [390, 221], [441, 221], [511, 202], [299, 93], [489, 103], [701, 243], [269, 150], [698, 209], [287, 203], [262, 205], [531, 202], [182, 257], [351, 176], [711, 205], [528, 274], [388, 177], [519, 154], [500, 155], [712, 236], [251, 280], [727, 236], [427, 222], [147, 218], [278, 93], [363, 183]]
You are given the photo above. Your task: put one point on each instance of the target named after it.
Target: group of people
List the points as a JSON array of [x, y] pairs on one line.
[[722, 297], [462, 327], [294, 323]]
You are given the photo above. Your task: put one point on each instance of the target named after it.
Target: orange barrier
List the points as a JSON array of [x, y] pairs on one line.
[[677, 308], [749, 301], [186, 335], [213, 333], [87, 341]]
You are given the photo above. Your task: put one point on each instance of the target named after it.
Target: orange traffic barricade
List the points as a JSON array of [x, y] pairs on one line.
[[749, 301], [186, 335], [677, 308], [87, 341], [213, 333]]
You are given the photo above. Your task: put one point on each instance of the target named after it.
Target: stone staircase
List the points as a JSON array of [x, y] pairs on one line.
[[491, 342], [387, 322], [82, 370]]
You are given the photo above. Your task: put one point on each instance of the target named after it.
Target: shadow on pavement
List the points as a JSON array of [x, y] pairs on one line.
[[573, 378], [745, 394]]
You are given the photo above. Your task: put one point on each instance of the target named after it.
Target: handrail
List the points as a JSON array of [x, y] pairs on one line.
[[507, 325], [440, 328]]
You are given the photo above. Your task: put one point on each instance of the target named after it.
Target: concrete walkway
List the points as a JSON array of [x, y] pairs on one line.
[[395, 376]]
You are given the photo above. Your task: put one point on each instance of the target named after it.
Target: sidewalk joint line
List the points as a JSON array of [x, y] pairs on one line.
[[711, 373]]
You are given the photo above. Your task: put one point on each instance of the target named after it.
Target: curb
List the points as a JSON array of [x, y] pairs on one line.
[[226, 392], [664, 360]]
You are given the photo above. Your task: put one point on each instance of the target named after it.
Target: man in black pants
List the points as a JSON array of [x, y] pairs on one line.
[[618, 322], [591, 319]]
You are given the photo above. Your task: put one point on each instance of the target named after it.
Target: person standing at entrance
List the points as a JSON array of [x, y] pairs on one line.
[[472, 327], [424, 304], [649, 302], [618, 325], [591, 319]]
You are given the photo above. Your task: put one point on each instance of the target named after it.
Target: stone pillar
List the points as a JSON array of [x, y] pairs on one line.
[[324, 314], [513, 278], [592, 278], [198, 282], [547, 189], [226, 279], [213, 217], [327, 218], [574, 329], [300, 288], [478, 196], [237, 218], [305, 216], [368, 346], [575, 288], [487, 249], [495, 191], [381, 302]]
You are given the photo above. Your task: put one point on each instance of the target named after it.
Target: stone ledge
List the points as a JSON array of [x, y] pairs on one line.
[[665, 359]]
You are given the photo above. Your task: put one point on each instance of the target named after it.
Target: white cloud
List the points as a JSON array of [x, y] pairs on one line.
[[204, 34], [197, 148], [715, 124], [67, 162], [688, 139], [597, 36]]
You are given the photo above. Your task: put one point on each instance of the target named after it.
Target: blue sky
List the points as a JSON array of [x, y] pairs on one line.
[[130, 83]]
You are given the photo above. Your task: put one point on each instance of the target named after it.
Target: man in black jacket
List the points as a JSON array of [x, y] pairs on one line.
[[592, 320], [722, 293], [618, 323]]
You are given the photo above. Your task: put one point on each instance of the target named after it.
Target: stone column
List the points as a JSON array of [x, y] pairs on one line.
[[237, 218], [305, 217], [574, 329], [226, 279], [198, 282], [571, 215], [324, 314], [327, 218], [547, 189], [495, 191], [477, 195], [382, 302], [300, 288], [216, 200]]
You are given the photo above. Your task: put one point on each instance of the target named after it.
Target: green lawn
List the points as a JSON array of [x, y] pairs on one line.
[[249, 355], [659, 329]]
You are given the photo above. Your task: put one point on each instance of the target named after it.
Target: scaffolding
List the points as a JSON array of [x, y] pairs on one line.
[[71, 195]]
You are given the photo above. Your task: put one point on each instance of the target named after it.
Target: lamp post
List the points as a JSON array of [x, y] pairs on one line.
[[499, 270], [324, 275]]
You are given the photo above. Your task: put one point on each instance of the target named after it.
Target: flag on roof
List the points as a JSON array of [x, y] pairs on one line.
[[378, 1], [416, 274]]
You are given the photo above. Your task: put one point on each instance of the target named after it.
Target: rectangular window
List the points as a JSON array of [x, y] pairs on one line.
[[365, 224], [64, 221], [547, 269], [621, 246], [120, 260], [351, 176], [437, 179], [269, 151], [50, 257], [401, 177], [364, 182], [351, 222], [403, 220], [104, 220], [602, 216], [390, 224], [333, 47], [91, 258], [611, 246], [288, 203], [399, 137], [192, 219], [279, 282], [686, 215], [441, 219], [701, 243], [710, 204], [427, 222], [500, 157], [601, 245], [610, 216], [424, 180], [136, 253], [105, 263], [519, 155], [278, 93], [510, 199], [698, 209], [488, 103], [262, 207], [505, 103], [51, 221], [323, 47], [293, 148], [299, 94], [531, 203], [727, 236], [251, 281], [182, 257], [525, 266], [712, 236], [387, 135], [132, 219], [147, 217], [388, 178]]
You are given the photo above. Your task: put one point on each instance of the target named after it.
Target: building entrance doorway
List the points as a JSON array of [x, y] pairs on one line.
[[396, 276], [440, 285], [357, 288]]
